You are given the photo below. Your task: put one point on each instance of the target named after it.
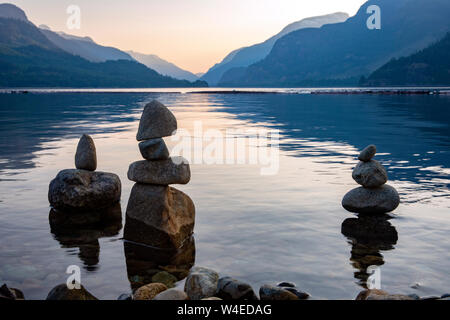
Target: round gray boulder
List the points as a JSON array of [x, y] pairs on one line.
[[201, 283], [154, 149], [371, 201], [370, 174], [79, 190], [86, 155], [232, 289]]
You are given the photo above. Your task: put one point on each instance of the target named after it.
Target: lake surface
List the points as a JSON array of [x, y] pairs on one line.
[[257, 228]]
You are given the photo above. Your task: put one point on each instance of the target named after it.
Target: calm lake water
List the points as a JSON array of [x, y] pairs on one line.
[[257, 228]]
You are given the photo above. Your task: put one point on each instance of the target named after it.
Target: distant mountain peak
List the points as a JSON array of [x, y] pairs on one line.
[[8, 10]]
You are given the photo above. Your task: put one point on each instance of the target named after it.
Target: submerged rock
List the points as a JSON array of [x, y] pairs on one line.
[[201, 283], [368, 153], [86, 155], [371, 201], [149, 291], [162, 172], [77, 190], [232, 289], [270, 293], [159, 216], [61, 292], [156, 122], [172, 295], [154, 149], [370, 174]]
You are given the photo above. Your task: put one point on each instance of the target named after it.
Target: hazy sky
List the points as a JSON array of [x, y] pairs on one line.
[[194, 34]]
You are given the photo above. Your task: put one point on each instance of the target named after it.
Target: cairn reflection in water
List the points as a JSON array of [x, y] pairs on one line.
[[85, 237], [368, 236], [147, 264]]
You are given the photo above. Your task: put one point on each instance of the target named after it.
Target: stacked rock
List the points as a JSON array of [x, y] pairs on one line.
[[375, 196], [158, 215], [83, 196]]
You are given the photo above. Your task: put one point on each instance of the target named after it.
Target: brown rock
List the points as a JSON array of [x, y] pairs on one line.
[[156, 122], [149, 291], [375, 294], [201, 283], [163, 172], [86, 155], [363, 295], [61, 292], [172, 295], [159, 216], [271, 293]]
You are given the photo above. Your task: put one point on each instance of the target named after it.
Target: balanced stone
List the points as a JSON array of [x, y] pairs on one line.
[[159, 216], [156, 122], [371, 201], [232, 289], [269, 292], [74, 189], [154, 149], [201, 283], [175, 170], [86, 156], [368, 153], [370, 174]]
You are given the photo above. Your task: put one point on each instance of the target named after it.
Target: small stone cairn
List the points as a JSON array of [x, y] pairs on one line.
[[375, 196], [83, 196], [157, 214]]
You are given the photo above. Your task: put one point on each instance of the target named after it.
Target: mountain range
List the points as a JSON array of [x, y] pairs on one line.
[[246, 56], [339, 54], [428, 67], [33, 57]]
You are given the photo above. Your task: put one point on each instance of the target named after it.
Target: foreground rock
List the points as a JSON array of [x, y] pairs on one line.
[[78, 190], [86, 155], [163, 172], [292, 288], [7, 293], [371, 201], [370, 174], [154, 149], [172, 294], [148, 292], [159, 216], [375, 294], [61, 292], [166, 278], [156, 122], [232, 289], [271, 293], [201, 283]]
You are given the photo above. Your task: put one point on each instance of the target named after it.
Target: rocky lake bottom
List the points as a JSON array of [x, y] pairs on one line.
[[260, 229]]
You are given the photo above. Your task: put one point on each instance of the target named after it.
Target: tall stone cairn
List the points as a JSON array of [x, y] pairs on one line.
[[157, 214], [374, 196]]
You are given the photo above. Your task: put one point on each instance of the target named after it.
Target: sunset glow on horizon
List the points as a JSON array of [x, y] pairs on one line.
[[193, 34]]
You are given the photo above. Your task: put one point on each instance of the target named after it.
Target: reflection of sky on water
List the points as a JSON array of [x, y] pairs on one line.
[[253, 227]]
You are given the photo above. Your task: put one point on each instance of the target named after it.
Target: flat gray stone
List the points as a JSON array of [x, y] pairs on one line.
[[201, 283], [79, 190], [157, 121], [370, 174], [368, 153], [371, 201], [154, 149], [86, 155], [175, 170]]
